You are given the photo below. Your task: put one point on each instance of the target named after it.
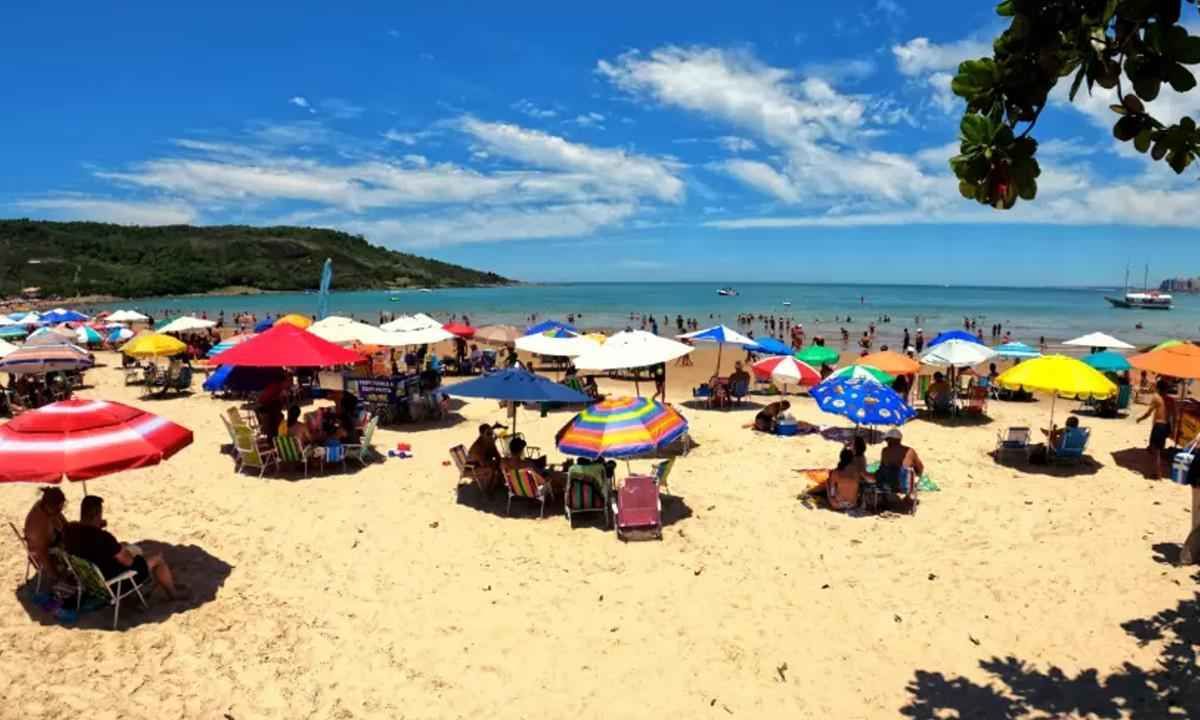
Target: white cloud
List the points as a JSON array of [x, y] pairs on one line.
[[590, 120], [407, 138], [919, 56], [341, 109], [150, 212], [735, 144], [526, 107], [764, 178], [301, 102], [842, 70]]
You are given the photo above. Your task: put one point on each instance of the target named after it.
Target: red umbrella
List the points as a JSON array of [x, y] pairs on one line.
[[463, 331], [786, 369], [286, 345], [83, 439]]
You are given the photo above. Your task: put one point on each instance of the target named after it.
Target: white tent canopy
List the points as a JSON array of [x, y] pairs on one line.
[[127, 316], [573, 346], [187, 323], [957, 353], [632, 349], [1099, 340]]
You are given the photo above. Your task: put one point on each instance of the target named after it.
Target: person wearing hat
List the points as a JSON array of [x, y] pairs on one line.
[[895, 457]]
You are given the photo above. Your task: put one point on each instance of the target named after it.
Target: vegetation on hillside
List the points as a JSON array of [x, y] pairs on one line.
[[86, 258]]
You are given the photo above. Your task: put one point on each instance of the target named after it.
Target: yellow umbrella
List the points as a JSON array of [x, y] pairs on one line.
[[153, 345], [1058, 375], [597, 337], [300, 321]]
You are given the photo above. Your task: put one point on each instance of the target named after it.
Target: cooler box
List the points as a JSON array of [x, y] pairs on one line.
[[1181, 465], [786, 429]]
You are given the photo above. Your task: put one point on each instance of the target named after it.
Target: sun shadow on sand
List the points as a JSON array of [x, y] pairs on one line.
[[744, 406], [1087, 465], [192, 566], [674, 507], [1020, 689], [1137, 460]]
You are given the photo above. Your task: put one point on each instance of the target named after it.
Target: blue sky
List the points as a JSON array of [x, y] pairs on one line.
[[692, 141]]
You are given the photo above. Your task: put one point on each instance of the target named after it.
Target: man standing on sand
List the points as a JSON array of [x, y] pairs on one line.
[[1161, 429]]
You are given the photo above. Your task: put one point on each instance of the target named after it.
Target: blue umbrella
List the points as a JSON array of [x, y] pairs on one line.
[[516, 386], [954, 335], [264, 324], [1108, 361], [551, 325], [863, 401], [237, 378], [60, 316], [1018, 350], [13, 331], [769, 346]]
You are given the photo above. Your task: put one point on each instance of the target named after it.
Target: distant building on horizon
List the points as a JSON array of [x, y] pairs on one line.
[[1186, 285]]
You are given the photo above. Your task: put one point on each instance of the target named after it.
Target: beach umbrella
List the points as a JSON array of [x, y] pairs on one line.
[[865, 372], [1058, 375], [551, 346], [462, 331], [6, 321], [13, 331], [890, 362], [6, 348], [406, 323], [242, 379], [30, 318], [1165, 344], [769, 346], [151, 344], [1178, 361], [621, 428], [549, 325], [516, 385], [1099, 340], [953, 335], [265, 324], [301, 321], [344, 331], [286, 345], [597, 337], [786, 369], [49, 336], [35, 359], [957, 353], [185, 324], [60, 315], [419, 336], [228, 343], [1017, 351], [498, 334], [127, 316], [720, 335], [119, 334], [632, 349], [81, 439], [1107, 361], [817, 355], [864, 401], [85, 335]]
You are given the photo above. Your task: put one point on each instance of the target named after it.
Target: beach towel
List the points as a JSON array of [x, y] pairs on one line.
[[584, 496]]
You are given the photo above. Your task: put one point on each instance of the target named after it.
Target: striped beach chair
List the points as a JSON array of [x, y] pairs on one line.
[[291, 450], [587, 491], [526, 483], [90, 581]]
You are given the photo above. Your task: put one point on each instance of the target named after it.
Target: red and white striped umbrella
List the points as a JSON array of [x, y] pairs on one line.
[[786, 369], [82, 439]]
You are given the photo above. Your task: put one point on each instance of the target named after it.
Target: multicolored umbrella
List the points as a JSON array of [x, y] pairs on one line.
[[948, 335], [50, 336], [1166, 344], [119, 334], [720, 335], [864, 371], [85, 335], [621, 428], [82, 439], [46, 358], [866, 402], [13, 331], [817, 355], [786, 369]]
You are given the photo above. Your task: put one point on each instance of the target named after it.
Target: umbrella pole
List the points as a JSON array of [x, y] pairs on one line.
[[720, 347]]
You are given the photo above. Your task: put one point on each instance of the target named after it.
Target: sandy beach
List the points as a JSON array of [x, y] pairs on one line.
[[392, 592]]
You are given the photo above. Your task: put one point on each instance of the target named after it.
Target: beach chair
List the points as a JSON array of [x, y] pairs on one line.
[[292, 450], [977, 402], [923, 383], [1014, 441], [637, 508], [587, 491], [662, 471], [91, 581], [1072, 446], [503, 438], [526, 483], [738, 391], [32, 564], [466, 468], [360, 451], [901, 487], [238, 419], [250, 453]]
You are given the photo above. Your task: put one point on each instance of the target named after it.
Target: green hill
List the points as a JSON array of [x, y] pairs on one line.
[[86, 258]]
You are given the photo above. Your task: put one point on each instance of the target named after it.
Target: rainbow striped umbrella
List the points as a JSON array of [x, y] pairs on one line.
[[621, 428]]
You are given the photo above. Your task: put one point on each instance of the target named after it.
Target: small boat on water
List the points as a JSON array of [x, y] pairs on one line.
[[1145, 300], [787, 303], [727, 292]]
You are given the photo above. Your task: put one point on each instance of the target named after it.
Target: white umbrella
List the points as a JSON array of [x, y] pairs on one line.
[[187, 323], [540, 344], [127, 316], [344, 331], [632, 349], [957, 353], [420, 336], [6, 320], [1099, 340], [6, 348], [405, 323]]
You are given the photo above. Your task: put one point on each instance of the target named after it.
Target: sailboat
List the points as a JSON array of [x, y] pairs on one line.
[[1147, 299]]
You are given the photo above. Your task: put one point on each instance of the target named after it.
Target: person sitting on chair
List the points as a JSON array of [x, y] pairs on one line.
[[940, 395], [87, 539], [739, 378], [1057, 434], [44, 528], [517, 460], [486, 458], [895, 458], [767, 419], [842, 488]]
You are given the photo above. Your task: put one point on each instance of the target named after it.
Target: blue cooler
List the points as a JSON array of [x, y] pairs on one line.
[[1182, 465], [786, 429]]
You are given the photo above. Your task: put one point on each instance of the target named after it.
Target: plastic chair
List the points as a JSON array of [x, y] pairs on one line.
[[587, 491], [637, 508]]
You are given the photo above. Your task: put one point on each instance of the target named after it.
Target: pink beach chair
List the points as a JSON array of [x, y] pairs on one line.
[[638, 508]]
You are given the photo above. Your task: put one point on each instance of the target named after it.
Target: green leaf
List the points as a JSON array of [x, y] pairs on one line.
[[1127, 128], [1146, 86], [1160, 150], [1186, 50], [1134, 105], [1142, 141], [1179, 161], [1027, 191], [1077, 82], [975, 129], [966, 189], [974, 78], [1181, 78], [1005, 9]]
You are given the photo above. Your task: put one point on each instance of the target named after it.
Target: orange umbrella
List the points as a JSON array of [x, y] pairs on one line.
[[891, 363], [1180, 361]]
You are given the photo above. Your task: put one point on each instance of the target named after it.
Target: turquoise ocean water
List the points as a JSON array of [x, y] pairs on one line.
[[1029, 313]]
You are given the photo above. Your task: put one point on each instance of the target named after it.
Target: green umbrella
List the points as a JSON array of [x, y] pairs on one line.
[[864, 371], [1166, 344], [817, 355]]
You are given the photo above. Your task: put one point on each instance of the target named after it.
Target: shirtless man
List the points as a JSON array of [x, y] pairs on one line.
[[44, 527], [1161, 429], [894, 457]]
